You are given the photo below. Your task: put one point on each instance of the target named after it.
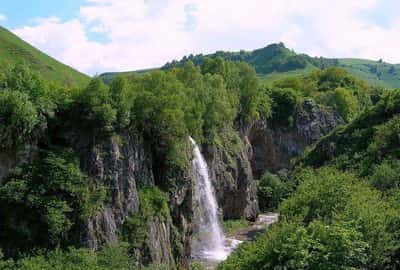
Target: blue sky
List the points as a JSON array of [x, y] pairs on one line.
[[95, 36]]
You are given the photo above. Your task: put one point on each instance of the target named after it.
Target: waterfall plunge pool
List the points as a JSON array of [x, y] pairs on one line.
[[209, 244]]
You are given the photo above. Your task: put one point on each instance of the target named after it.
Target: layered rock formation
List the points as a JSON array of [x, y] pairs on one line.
[[274, 146], [125, 163], [234, 183]]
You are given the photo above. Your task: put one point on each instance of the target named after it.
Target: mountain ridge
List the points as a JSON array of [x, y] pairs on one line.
[[276, 61]]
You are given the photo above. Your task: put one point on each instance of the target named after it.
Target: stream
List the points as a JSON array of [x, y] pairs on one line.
[[233, 240], [210, 245]]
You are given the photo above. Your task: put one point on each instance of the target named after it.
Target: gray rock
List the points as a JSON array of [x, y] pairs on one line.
[[274, 147]]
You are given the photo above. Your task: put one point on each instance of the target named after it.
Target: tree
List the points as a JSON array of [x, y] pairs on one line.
[[44, 202], [284, 102], [18, 118]]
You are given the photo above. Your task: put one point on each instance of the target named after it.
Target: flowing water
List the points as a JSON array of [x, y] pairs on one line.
[[209, 242]]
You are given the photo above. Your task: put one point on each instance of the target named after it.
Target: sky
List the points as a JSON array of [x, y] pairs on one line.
[[96, 36]]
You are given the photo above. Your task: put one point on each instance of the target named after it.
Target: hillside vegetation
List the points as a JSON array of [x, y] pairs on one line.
[[55, 196], [14, 50], [46, 201], [276, 61], [339, 206], [342, 210]]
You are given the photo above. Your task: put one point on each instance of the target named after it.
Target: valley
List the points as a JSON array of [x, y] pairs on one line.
[[266, 159]]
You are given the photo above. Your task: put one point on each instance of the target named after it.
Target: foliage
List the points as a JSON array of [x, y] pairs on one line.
[[153, 204], [292, 246], [345, 103], [108, 258], [196, 266], [45, 202], [94, 109], [332, 87], [272, 189], [333, 221], [27, 102], [15, 51], [284, 105], [365, 142], [233, 225], [18, 118], [121, 100], [386, 176]]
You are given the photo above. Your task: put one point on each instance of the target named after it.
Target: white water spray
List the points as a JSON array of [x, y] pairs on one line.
[[209, 243]]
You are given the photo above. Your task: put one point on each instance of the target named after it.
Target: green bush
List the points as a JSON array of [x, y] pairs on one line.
[[284, 103], [93, 109], [333, 221], [153, 204], [272, 189], [386, 176], [234, 225], [108, 258], [319, 195], [45, 202], [18, 118], [345, 103]]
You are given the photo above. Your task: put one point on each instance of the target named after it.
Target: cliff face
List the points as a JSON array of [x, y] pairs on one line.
[[124, 164], [120, 166], [274, 147], [234, 184]]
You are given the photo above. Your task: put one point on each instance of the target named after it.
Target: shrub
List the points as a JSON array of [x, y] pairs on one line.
[[272, 189], [45, 202], [18, 118], [284, 102]]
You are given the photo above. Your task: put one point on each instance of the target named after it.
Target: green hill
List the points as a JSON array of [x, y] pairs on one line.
[[276, 61], [14, 50]]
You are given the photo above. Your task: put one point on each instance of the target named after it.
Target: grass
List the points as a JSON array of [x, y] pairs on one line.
[[14, 50], [234, 225], [377, 73]]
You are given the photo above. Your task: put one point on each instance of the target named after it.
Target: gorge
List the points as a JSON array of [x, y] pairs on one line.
[[111, 168]]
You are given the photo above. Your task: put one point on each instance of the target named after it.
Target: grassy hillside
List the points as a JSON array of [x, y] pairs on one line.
[[14, 50], [369, 139], [276, 61]]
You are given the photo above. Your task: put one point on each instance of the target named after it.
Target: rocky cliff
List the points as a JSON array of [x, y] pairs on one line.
[[274, 146], [124, 164], [232, 173]]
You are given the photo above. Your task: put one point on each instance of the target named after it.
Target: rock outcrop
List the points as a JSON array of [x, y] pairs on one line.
[[120, 166], [274, 146], [231, 171], [123, 164]]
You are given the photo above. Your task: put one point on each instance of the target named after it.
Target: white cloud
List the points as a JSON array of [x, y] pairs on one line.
[[2, 17], [149, 33]]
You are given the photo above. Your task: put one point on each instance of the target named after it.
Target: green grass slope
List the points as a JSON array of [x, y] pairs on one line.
[[368, 139], [14, 50], [276, 61]]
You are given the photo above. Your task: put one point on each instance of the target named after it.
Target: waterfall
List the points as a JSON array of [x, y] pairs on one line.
[[209, 240]]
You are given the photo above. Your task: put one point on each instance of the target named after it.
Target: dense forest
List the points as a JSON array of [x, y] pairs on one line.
[[339, 204]]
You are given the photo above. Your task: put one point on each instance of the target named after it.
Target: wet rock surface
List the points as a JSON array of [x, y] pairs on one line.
[[249, 233]]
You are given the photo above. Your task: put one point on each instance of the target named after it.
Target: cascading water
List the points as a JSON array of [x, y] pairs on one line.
[[209, 240]]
